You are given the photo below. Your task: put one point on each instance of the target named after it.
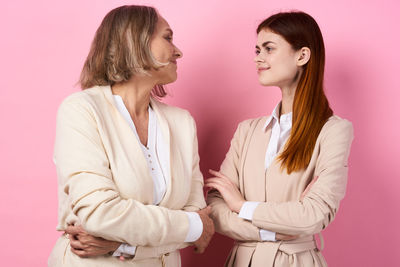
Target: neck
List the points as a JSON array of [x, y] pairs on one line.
[[288, 93], [287, 99], [136, 94]]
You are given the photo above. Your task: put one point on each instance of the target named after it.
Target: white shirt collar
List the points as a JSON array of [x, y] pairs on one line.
[[284, 119]]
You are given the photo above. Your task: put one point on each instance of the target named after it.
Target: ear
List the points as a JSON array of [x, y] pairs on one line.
[[303, 56]]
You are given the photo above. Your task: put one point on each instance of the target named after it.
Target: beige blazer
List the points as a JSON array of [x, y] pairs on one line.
[[105, 185], [281, 209]]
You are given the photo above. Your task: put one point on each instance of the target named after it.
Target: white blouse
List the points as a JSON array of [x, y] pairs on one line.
[[281, 127], [157, 157]]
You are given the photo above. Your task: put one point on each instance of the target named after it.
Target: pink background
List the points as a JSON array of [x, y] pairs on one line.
[[43, 46]]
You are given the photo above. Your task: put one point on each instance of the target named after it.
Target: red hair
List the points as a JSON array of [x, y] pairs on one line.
[[310, 106]]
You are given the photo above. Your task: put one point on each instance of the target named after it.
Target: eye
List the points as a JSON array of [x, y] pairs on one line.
[[257, 52], [269, 49], [168, 38]]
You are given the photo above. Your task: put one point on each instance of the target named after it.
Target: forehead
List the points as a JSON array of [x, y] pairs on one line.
[[162, 24], [267, 35]]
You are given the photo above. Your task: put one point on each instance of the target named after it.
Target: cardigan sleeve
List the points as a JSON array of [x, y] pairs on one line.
[[196, 198], [320, 204], [226, 221], [84, 171]]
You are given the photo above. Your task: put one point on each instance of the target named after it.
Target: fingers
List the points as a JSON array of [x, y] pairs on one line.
[[212, 183], [89, 251], [97, 242], [76, 244], [85, 241], [89, 239], [218, 174], [220, 178], [85, 245], [205, 211], [208, 230], [74, 230], [80, 253], [218, 183], [208, 210], [215, 173]]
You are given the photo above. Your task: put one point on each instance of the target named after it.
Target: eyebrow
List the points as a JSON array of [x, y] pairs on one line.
[[169, 30], [265, 44]]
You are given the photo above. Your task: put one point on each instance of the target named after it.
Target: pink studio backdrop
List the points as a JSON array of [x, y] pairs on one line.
[[43, 46]]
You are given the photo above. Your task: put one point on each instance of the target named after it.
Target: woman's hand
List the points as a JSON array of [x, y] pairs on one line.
[[227, 189], [208, 230], [86, 245]]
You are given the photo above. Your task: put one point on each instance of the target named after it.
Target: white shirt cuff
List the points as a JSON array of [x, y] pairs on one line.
[[266, 235], [195, 227], [124, 249], [247, 210]]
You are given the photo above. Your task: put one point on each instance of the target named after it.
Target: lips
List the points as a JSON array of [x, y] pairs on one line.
[[174, 61], [262, 69]]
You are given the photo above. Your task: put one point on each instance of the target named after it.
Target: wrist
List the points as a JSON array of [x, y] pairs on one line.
[[239, 206]]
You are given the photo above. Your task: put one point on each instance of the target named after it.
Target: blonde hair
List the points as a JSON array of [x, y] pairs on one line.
[[121, 48]]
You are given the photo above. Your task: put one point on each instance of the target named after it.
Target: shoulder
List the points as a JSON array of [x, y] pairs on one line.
[[247, 125], [170, 110], [173, 113], [336, 123], [336, 129], [82, 102], [84, 97]]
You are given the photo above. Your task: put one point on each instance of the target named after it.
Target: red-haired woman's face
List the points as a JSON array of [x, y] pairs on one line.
[[277, 62], [165, 52]]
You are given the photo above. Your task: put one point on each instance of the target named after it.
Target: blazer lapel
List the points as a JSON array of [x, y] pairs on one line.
[[254, 169], [173, 158], [134, 152]]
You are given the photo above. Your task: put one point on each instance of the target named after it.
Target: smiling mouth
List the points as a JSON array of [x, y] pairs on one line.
[[262, 69], [174, 62]]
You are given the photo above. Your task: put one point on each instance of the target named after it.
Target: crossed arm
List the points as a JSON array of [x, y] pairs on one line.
[[309, 215], [108, 219]]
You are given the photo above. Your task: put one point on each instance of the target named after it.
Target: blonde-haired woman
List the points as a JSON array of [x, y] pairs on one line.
[[285, 174], [130, 187]]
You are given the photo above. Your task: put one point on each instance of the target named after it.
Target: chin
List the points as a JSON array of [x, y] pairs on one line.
[[169, 80], [173, 77], [265, 82]]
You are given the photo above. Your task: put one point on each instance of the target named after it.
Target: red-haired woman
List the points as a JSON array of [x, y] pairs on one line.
[[285, 174]]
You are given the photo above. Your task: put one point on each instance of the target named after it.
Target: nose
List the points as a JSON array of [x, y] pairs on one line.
[[258, 59], [178, 52]]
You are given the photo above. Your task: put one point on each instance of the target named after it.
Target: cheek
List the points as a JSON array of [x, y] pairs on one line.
[[286, 67], [157, 50]]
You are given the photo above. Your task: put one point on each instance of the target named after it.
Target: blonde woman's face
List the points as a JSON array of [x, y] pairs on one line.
[[165, 52]]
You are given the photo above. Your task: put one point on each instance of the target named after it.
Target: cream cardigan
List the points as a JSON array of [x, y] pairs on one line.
[[104, 182]]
